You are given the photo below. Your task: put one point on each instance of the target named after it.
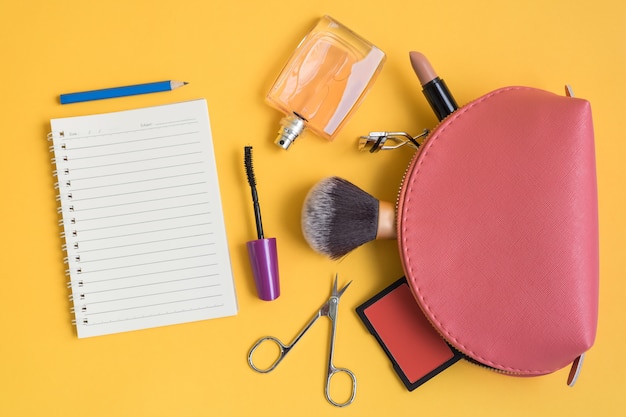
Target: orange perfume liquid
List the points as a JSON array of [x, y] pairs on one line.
[[323, 82]]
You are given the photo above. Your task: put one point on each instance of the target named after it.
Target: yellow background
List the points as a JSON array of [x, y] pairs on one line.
[[230, 52]]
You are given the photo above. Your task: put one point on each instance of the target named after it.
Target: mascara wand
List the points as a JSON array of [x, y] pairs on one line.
[[255, 196], [262, 252]]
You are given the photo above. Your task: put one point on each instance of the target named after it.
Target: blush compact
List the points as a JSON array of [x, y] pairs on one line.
[[416, 350]]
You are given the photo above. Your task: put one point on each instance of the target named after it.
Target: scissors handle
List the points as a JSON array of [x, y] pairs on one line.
[[282, 348], [332, 371]]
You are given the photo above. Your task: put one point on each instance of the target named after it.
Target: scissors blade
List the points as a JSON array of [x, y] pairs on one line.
[[329, 308], [339, 293]]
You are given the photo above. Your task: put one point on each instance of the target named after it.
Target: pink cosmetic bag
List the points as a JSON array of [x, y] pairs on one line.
[[498, 231]]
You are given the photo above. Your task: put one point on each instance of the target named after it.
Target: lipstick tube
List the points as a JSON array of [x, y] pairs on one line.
[[434, 88]]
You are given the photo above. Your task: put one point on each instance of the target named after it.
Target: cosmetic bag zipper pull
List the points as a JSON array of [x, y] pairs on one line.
[[574, 372]]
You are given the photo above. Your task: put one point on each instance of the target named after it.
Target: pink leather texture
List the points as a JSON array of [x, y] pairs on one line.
[[498, 230]]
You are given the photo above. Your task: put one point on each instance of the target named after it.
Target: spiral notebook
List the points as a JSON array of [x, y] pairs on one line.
[[142, 218]]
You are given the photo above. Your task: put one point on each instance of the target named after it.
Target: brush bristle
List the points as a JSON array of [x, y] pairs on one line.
[[338, 216], [247, 161]]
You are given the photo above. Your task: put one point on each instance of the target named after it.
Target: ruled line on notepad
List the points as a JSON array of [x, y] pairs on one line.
[[134, 297], [155, 305], [148, 263], [137, 171], [147, 232], [154, 148], [138, 191], [149, 138], [173, 122], [167, 313], [144, 222], [143, 243], [171, 281], [147, 253], [177, 196], [131, 213], [137, 181], [165, 272], [138, 160], [156, 126]]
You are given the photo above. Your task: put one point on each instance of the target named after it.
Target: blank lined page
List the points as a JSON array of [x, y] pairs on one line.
[[142, 217]]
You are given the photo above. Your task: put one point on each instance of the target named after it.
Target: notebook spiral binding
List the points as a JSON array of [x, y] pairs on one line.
[[63, 222]]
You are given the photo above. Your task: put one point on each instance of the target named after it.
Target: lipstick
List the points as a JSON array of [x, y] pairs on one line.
[[434, 88]]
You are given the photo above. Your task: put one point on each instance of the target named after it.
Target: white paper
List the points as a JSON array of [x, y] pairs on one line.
[[142, 216]]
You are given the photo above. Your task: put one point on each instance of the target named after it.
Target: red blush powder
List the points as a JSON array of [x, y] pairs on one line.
[[417, 351]]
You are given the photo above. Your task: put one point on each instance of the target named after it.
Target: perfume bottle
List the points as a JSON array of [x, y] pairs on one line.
[[323, 82]]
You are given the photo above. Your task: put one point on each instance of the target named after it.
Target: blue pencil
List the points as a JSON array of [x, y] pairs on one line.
[[129, 90]]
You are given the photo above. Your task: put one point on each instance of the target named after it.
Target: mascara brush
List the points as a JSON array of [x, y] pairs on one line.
[[247, 160], [338, 217], [262, 251]]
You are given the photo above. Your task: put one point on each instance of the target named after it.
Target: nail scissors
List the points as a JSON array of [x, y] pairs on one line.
[[328, 309]]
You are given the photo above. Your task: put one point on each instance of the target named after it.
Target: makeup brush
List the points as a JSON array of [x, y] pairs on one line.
[[338, 217]]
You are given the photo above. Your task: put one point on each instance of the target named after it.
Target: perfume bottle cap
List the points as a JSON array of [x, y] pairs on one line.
[[264, 261], [290, 128]]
